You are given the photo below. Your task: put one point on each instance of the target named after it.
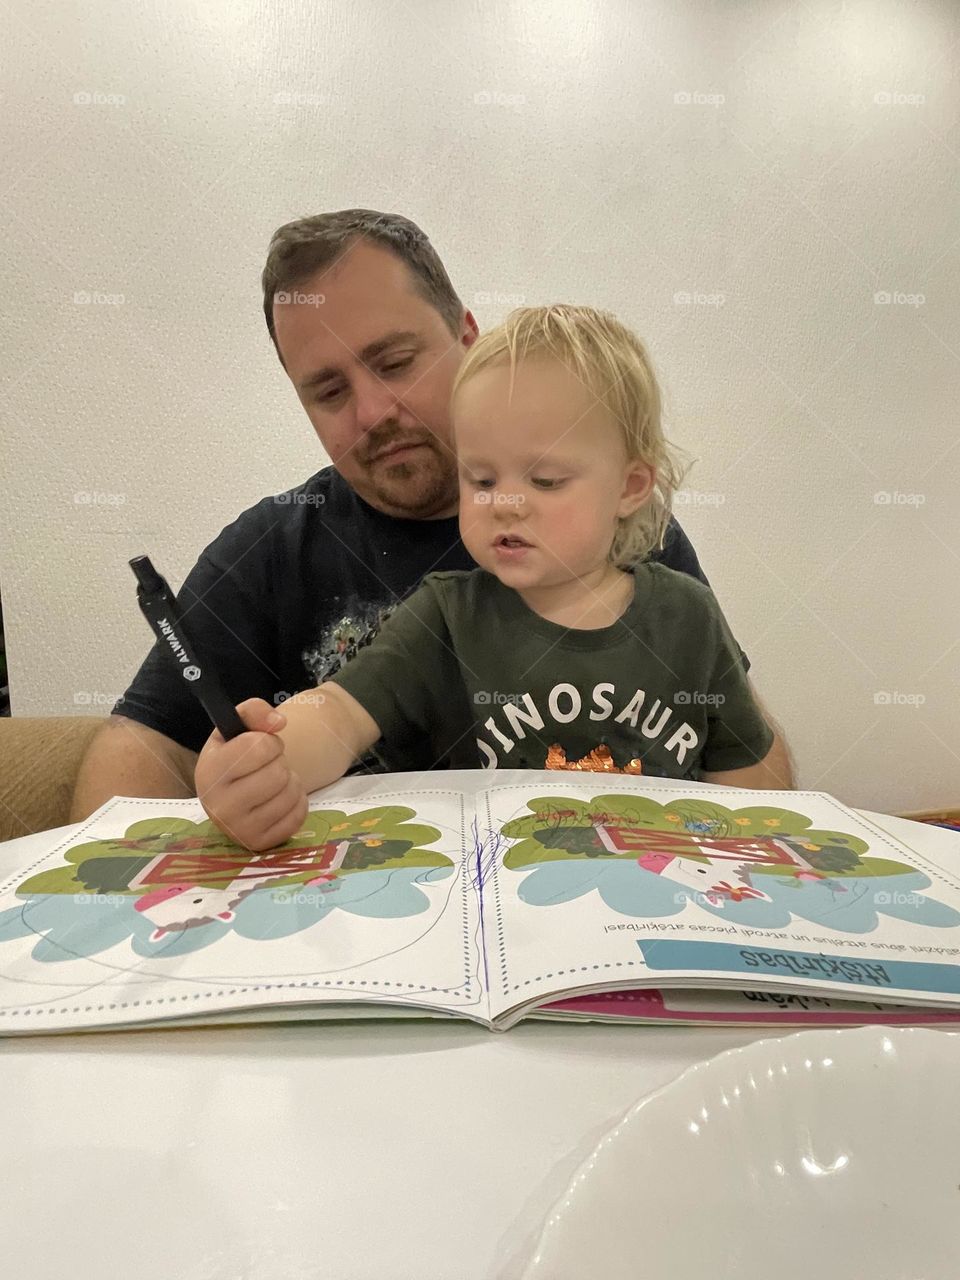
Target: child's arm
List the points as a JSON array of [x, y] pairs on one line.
[[255, 786]]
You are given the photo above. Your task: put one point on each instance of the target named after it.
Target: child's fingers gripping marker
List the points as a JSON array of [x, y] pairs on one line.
[[258, 716]]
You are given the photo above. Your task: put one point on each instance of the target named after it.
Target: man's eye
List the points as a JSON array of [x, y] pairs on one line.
[[396, 365], [324, 397]]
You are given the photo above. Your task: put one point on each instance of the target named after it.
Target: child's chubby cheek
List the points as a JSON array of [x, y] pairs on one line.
[[568, 525]]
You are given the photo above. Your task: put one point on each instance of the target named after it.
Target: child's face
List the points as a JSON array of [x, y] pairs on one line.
[[544, 474]]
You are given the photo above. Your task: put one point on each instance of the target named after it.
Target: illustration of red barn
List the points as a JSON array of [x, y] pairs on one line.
[[195, 866]]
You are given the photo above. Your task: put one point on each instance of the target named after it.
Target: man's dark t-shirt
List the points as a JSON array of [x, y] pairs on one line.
[[292, 588]]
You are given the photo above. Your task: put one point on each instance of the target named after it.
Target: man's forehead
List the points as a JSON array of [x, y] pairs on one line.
[[338, 315]]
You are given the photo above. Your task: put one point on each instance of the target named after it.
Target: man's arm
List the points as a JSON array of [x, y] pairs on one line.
[[777, 767], [760, 776], [773, 773], [127, 758], [149, 745]]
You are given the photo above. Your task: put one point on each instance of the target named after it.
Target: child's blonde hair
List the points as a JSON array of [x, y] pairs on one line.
[[613, 365]]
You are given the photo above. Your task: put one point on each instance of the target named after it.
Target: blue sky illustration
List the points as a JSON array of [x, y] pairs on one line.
[[634, 891]]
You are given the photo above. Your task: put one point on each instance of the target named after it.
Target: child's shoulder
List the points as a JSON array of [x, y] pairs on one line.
[[453, 587], [673, 584], [453, 581]]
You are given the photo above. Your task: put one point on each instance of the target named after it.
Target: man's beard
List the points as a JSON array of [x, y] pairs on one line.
[[419, 488]]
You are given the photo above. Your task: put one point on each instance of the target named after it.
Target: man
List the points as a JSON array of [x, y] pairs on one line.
[[370, 332]]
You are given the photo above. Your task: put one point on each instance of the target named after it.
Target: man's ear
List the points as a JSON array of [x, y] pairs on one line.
[[470, 330], [638, 482]]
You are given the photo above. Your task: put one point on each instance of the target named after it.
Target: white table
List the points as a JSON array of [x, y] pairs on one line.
[[349, 1152]]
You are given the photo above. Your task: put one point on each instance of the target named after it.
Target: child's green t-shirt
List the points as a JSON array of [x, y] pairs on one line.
[[464, 663]]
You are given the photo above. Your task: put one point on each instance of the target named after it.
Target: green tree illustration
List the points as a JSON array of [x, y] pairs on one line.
[[382, 836]]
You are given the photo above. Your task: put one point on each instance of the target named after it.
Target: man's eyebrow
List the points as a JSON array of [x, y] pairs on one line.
[[369, 352]]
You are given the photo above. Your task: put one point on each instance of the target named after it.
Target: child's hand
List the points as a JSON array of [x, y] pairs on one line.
[[246, 784]]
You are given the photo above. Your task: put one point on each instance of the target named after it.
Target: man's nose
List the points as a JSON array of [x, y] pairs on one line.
[[375, 401]]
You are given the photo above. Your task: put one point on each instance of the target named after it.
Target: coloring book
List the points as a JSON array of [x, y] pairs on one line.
[[485, 895]]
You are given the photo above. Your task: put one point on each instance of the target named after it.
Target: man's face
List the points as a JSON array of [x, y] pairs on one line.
[[373, 365]]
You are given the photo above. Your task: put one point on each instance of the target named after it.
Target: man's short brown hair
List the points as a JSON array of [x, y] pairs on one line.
[[300, 249]]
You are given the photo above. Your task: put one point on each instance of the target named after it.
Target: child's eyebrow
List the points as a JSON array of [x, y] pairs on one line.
[[529, 463]]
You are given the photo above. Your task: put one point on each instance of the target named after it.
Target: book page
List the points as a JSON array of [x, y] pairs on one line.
[[148, 912], [599, 881], [740, 1008]]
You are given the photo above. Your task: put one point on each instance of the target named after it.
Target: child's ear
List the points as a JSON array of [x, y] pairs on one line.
[[638, 482]]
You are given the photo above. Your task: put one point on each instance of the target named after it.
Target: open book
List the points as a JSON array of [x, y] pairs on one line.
[[489, 896]]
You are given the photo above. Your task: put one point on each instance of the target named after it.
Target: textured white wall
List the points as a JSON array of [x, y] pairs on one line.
[[150, 151]]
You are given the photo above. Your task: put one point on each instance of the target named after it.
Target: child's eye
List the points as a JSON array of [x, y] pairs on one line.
[[540, 483], [479, 483]]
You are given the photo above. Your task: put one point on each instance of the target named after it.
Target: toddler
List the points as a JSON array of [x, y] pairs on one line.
[[565, 648]]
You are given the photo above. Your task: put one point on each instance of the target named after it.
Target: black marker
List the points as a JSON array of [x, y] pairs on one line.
[[159, 607]]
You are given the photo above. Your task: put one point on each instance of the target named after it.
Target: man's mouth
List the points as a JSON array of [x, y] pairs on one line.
[[398, 450]]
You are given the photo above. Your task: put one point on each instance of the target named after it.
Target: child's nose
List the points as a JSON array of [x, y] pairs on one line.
[[508, 505]]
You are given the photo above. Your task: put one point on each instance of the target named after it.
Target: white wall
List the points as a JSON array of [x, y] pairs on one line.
[[543, 148]]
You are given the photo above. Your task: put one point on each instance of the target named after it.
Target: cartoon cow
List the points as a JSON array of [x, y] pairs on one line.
[[703, 878], [187, 906]]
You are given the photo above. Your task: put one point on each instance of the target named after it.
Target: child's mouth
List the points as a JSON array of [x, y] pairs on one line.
[[510, 547]]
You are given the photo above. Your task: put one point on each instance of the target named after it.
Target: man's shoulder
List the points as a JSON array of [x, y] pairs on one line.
[[325, 491], [677, 552], [324, 494]]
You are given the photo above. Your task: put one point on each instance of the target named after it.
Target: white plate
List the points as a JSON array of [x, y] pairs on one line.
[[828, 1155]]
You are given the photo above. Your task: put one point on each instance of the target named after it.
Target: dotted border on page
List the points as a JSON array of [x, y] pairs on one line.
[[875, 831], [66, 1009]]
